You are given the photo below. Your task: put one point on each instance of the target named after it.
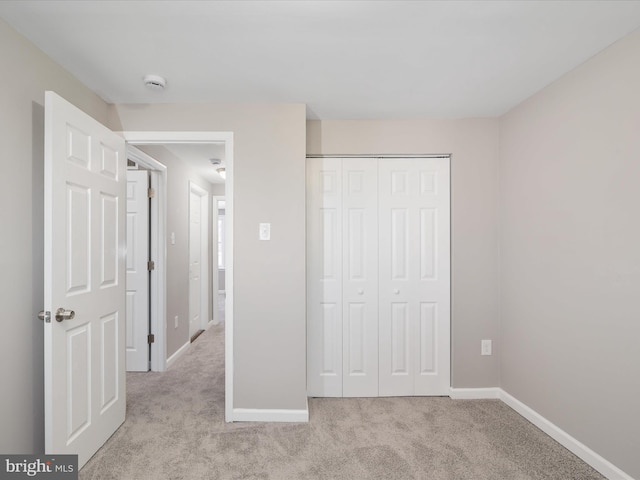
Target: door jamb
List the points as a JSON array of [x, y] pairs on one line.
[[160, 137]]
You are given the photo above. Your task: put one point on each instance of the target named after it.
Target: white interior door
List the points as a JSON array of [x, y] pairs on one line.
[[324, 277], [360, 277], [85, 249], [137, 305], [198, 259], [195, 263], [414, 279]]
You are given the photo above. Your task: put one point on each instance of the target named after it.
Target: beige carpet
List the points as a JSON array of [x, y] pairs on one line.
[[175, 430]]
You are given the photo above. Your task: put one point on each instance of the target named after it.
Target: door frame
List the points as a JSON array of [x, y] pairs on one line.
[[226, 138], [204, 252], [157, 238]]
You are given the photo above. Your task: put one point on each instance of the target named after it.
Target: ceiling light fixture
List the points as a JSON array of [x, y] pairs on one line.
[[155, 82], [222, 172]]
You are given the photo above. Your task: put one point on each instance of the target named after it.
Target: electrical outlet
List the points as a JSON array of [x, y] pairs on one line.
[[485, 347], [175, 322]]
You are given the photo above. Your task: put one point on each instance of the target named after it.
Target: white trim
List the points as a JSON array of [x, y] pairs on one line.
[[602, 465], [474, 393], [172, 359], [270, 415], [154, 138], [158, 252]]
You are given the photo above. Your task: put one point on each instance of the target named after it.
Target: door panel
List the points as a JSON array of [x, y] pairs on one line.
[[324, 278], [195, 263], [137, 300], [360, 277], [414, 276], [84, 272]]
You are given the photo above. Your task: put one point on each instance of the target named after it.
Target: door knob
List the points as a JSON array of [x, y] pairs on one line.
[[45, 315], [62, 314], [360, 291], [396, 291]]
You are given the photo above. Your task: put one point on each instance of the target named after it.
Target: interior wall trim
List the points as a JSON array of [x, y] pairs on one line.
[[178, 353], [583, 452], [599, 463], [382, 155], [475, 393], [270, 415]]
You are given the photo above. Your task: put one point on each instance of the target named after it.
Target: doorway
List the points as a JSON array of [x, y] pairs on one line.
[[158, 348]]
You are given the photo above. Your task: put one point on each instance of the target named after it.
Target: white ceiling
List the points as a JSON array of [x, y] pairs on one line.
[[344, 59], [198, 156]]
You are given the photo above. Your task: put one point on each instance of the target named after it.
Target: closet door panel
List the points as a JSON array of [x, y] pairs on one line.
[[414, 276], [324, 278], [434, 278], [360, 277]]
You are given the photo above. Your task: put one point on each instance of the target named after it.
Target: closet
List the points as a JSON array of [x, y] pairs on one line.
[[378, 276]]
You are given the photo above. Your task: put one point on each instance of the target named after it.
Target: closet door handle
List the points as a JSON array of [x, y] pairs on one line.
[[360, 291], [396, 291]]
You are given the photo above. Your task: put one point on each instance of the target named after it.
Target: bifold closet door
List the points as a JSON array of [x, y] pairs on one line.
[[342, 281], [414, 276], [324, 277], [360, 277], [377, 277]]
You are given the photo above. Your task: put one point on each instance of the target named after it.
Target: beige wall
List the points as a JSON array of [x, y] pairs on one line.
[[269, 288], [570, 218], [179, 174], [473, 145], [26, 74]]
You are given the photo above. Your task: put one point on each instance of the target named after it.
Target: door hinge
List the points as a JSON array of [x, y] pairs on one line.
[[152, 193], [151, 338], [151, 265]]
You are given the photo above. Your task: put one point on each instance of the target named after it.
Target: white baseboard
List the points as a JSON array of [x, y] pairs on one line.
[[474, 393], [172, 359], [602, 465], [270, 415]]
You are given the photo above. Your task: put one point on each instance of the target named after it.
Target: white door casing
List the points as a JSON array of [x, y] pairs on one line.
[[414, 277], [378, 276], [85, 247], [137, 303]]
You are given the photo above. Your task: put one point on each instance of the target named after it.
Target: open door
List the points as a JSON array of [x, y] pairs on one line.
[[84, 351], [137, 347]]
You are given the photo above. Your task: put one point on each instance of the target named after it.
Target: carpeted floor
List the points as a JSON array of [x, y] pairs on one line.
[[175, 430]]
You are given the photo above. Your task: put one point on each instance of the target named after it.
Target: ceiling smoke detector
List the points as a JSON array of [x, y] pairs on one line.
[[155, 82]]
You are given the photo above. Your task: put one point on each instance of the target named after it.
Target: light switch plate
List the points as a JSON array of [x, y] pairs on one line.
[[265, 231], [485, 348]]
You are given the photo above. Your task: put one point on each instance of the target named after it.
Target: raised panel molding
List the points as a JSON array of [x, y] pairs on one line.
[[79, 234]]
